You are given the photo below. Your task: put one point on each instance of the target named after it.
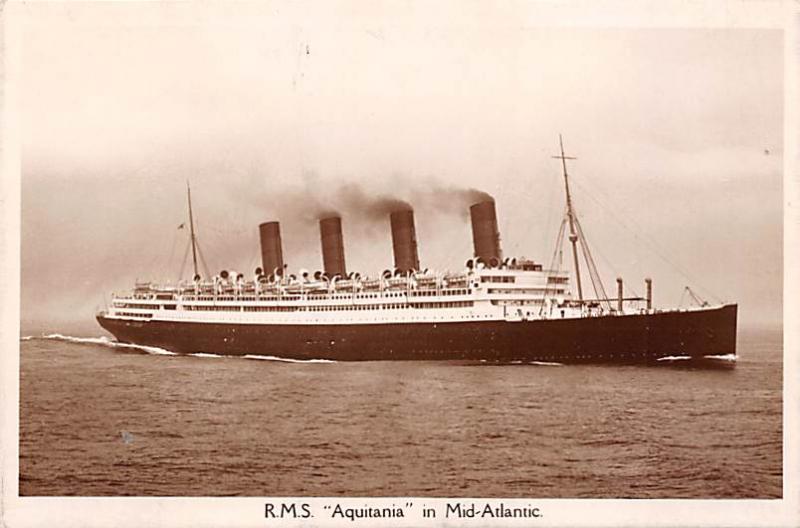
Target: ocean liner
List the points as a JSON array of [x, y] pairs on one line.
[[497, 309]]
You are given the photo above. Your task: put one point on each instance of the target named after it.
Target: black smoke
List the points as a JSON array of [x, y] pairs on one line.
[[308, 201]]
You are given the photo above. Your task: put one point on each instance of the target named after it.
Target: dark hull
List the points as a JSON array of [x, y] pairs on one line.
[[612, 339]]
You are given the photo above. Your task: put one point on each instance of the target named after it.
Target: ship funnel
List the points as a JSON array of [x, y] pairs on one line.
[[404, 240], [271, 252], [485, 236], [330, 230]]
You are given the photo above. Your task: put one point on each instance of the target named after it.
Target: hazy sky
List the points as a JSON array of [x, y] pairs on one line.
[[678, 134]]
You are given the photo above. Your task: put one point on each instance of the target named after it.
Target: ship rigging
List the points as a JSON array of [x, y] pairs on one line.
[[577, 238]]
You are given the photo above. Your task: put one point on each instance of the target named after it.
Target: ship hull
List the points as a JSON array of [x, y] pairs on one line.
[[638, 338]]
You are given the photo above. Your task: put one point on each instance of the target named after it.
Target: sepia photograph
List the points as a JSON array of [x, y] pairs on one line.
[[395, 263]]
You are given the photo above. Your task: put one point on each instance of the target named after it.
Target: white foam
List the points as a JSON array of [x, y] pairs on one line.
[[287, 360], [105, 341], [546, 363], [673, 358], [102, 340], [149, 349], [724, 357]]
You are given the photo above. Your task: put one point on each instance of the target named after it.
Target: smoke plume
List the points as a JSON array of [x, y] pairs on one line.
[[449, 200], [357, 201], [309, 202]]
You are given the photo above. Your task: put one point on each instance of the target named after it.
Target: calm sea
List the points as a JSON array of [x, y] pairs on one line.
[[99, 419]]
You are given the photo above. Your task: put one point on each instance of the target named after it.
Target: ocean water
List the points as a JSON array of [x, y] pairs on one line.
[[98, 419]]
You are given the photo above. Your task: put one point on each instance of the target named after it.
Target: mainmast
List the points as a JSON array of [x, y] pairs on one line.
[[191, 231], [573, 235]]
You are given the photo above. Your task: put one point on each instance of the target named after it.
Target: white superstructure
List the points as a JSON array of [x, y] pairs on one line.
[[515, 290]]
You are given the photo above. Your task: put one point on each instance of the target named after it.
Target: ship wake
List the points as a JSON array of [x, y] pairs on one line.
[[102, 341], [287, 360], [110, 343], [546, 363], [730, 358], [724, 357]]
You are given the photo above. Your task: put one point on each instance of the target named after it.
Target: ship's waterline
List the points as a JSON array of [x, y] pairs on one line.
[[623, 339]]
